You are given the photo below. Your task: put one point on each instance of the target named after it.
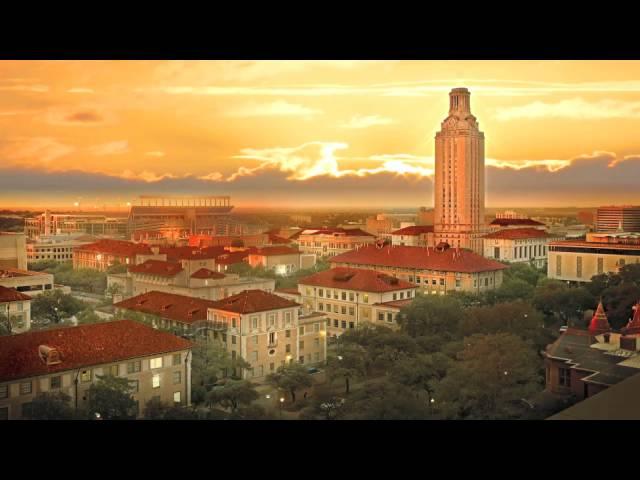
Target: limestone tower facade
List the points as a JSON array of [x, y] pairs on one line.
[[459, 177]]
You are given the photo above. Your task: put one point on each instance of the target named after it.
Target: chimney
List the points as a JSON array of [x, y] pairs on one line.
[[49, 355]]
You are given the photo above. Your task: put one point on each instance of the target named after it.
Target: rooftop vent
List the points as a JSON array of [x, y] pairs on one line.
[[49, 355], [343, 277]]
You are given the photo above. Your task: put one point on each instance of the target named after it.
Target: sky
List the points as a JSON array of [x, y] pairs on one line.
[[318, 133]]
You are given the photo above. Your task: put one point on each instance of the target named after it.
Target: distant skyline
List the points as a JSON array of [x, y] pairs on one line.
[[348, 134]]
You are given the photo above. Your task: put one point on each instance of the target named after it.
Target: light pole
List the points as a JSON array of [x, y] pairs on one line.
[[281, 404]]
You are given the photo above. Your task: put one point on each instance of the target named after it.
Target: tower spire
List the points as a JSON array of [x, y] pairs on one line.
[[459, 101], [633, 326], [599, 323]]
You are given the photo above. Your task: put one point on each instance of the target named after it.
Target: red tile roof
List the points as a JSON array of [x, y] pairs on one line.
[[602, 245], [353, 232], [288, 291], [83, 346], [232, 258], [12, 295], [276, 239], [189, 253], [398, 304], [356, 279], [271, 251], [251, 301], [504, 222], [15, 272], [168, 305], [206, 273], [157, 267], [116, 247], [414, 230], [517, 233], [419, 258]]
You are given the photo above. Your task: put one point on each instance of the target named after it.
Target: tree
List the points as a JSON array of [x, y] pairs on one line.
[[111, 398], [346, 363], [113, 289], [558, 298], [385, 401], [421, 373], [55, 306], [323, 406], [157, 410], [291, 378], [88, 315], [117, 267], [5, 324], [251, 412], [51, 406], [525, 272], [492, 376], [233, 394], [210, 362], [511, 289], [431, 315]]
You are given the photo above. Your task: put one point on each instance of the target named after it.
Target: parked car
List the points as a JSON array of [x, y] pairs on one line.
[[312, 370]]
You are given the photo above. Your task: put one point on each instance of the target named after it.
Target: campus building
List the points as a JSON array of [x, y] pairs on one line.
[[268, 331], [623, 218], [13, 250], [70, 360], [351, 297], [413, 236], [579, 260], [58, 248], [327, 242], [15, 308], [104, 253], [28, 282], [519, 245], [48, 223], [283, 260], [436, 270]]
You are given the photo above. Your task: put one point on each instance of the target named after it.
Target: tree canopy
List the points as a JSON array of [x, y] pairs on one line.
[[111, 398]]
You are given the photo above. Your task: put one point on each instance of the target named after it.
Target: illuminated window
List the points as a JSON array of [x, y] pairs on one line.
[[85, 376], [365, 298], [155, 381], [155, 363], [112, 370], [176, 398]]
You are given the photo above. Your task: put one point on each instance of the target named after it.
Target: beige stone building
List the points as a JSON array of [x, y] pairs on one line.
[[459, 177], [349, 297], [13, 250], [519, 245], [69, 360], [16, 308], [107, 252], [268, 331], [413, 236], [186, 277], [56, 247], [283, 260], [26, 281], [327, 242], [436, 271], [49, 223], [579, 260]]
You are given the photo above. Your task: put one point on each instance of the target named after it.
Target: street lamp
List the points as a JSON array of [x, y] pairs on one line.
[[97, 416], [281, 403]]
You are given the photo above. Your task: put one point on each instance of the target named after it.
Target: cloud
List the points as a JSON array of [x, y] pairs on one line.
[[366, 121], [111, 148], [24, 88], [80, 90], [33, 150], [88, 116], [278, 108], [145, 176], [575, 108], [156, 154], [215, 176]]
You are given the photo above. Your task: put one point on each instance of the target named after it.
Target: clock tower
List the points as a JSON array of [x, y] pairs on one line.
[[459, 177]]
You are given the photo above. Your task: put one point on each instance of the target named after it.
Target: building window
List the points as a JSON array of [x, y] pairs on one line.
[[335, 323], [134, 367], [343, 310], [155, 381], [351, 296], [85, 376], [255, 339], [301, 345], [287, 348], [335, 309], [25, 388], [254, 322], [55, 382], [233, 339], [316, 342], [558, 265], [395, 296], [176, 398], [4, 391], [287, 318], [287, 333], [352, 325], [564, 377], [272, 320], [320, 307], [155, 363], [343, 324], [233, 323], [365, 298], [135, 385], [458, 283], [600, 265], [389, 317], [578, 267], [301, 331], [177, 377], [112, 370], [177, 359], [321, 292], [380, 317], [316, 327], [272, 338]]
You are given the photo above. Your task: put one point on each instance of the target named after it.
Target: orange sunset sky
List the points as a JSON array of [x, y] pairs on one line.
[[313, 133]]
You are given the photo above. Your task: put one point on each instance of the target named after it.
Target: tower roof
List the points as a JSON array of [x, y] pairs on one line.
[[599, 323], [633, 326]]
